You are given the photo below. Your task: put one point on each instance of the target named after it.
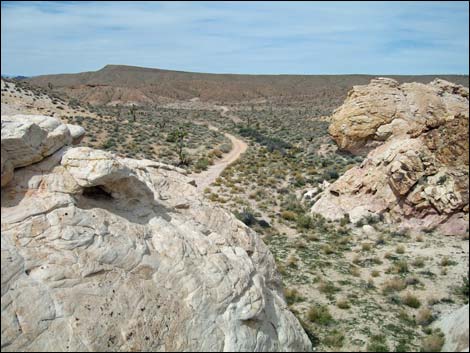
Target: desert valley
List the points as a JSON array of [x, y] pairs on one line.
[[157, 210]]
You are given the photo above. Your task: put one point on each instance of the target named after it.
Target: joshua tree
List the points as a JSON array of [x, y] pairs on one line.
[[163, 122], [132, 111], [178, 136]]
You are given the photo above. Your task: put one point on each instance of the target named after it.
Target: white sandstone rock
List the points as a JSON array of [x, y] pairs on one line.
[[27, 139], [97, 257], [455, 327]]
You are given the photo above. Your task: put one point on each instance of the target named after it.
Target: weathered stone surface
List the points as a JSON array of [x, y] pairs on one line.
[[383, 108], [27, 139], [98, 255], [418, 174], [77, 133], [6, 168], [455, 327]]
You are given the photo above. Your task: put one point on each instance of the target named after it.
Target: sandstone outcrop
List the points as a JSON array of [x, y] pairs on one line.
[[455, 327], [102, 253], [27, 139], [382, 109], [417, 174]]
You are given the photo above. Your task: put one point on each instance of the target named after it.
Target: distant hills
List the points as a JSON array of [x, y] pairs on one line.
[[119, 84], [16, 77]]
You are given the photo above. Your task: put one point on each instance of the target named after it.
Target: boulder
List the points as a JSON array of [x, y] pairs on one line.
[[373, 113], [27, 139], [417, 173], [99, 255], [77, 132]]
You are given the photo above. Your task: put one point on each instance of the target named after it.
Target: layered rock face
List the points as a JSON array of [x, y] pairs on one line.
[[102, 253], [417, 171], [27, 139]]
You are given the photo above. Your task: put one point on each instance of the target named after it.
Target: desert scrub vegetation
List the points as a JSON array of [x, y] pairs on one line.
[[152, 134], [332, 270]]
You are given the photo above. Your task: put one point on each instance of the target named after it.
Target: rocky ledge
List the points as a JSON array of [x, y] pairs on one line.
[[416, 171], [103, 253]]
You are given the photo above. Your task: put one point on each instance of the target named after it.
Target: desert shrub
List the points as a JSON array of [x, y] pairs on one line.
[[418, 262], [400, 266], [225, 148], [393, 285], [288, 215], [400, 249], [304, 221], [334, 339], [292, 296], [327, 287], [246, 216], [424, 316], [320, 315], [433, 342], [201, 164], [462, 290], [271, 143], [378, 343], [343, 303], [330, 174], [411, 300]]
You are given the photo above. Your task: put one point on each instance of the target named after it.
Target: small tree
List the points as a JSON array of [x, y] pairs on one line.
[[132, 111], [163, 122], [178, 137]]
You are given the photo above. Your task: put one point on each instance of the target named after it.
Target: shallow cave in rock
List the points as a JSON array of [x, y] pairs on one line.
[[96, 193]]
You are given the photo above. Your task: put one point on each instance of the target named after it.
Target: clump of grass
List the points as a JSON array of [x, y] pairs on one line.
[[334, 339], [418, 262], [433, 342], [446, 261], [343, 303], [291, 261], [327, 249], [354, 271], [292, 296], [393, 285], [403, 316], [327, 287], [288, 215], [400, 266], [424, 316], [320, 315], [463, 290], [411, 300], [400, 249], [366, 246], [378, 343], [375, 273]]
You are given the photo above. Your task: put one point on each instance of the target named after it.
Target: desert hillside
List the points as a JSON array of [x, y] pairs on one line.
[[119, 84]]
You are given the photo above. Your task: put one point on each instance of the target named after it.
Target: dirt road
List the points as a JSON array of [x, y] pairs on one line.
[[224, 113], [205, 178]]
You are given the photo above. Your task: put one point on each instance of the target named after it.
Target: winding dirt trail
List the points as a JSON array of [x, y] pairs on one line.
[[207, 177]]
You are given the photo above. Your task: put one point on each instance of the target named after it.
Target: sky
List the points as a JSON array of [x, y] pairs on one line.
[[47, 37]]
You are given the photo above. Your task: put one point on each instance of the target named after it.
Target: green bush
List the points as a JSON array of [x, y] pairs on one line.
[[320, 315]]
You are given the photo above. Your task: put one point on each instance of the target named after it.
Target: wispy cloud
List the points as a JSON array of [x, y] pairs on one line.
[[239, 37]]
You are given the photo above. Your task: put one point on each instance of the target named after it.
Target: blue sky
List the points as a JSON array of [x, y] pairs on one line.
[[237, 37]]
